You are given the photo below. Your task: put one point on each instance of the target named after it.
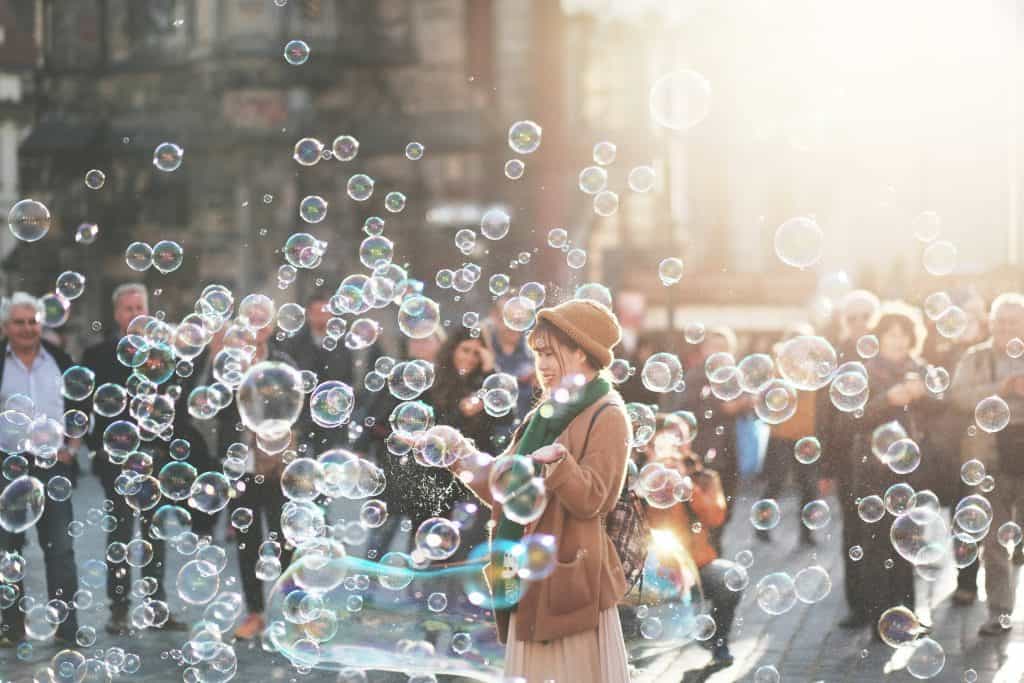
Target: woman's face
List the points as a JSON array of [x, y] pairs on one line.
[[555, 362], [424, 349], [466, 356], [894, 344]]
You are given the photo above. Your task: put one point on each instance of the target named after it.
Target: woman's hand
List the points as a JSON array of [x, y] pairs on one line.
[[471, 405], [546, 455], [486, 358]]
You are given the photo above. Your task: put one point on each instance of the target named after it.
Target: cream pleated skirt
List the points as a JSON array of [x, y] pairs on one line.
[[597, 656]]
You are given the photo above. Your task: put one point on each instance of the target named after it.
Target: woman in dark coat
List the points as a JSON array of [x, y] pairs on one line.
[[897, 393]]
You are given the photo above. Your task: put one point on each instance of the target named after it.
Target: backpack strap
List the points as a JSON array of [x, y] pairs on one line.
[[590, 428]]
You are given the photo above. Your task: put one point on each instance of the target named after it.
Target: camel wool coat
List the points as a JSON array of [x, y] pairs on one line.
[[588, 576]]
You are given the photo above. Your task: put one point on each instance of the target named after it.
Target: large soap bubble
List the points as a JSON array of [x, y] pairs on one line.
[[270, 397], [21, 504], [680, 100], [808, 362]]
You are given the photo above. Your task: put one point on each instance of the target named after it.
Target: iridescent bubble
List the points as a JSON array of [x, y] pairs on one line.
[[29, 220], [197, 582], [270, 397], [313, 209], [376, 251], [1008, 535], [898, 498], [776, 402], [519, 313], [70, 285], [765, 514], [307, 151], [524, 137], [867, 346], [302, 479], [952, 323], [77, 383], [813, 584], [808, 362], [596, 292], [95, 178], [86, 233], [414, 151], [514, 169], [606, 203], [139, 256], [936, 379], [438, 538], [680, 100], [662, 372], [798, 242], [898, 626], [926, 226], [296, 52], [643, 421], [331, 404], [992, 414], [394, 202], [940, 258], [641, 179], [903, 456], [593, 179], [418, 317], [815, 515], [558, 238], [360, 187], [871, 509], [576, 258], [494, 224], [776, 593], [345, 148], [21, 504], [670, 271], [167, 157], [167, 256], [927, 659]]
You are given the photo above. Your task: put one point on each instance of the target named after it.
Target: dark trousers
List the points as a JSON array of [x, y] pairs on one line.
[[263, 499], [119, 576], [852, 576], [58, 558], [780, 464], [875, 588], [723, 601]]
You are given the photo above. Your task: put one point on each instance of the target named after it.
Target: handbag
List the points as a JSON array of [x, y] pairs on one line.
[[626, 524]]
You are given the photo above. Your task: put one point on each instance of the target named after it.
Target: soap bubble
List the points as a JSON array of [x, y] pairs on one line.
[[798, 242], [535, 556], [898, 498], [776, 402], [767, 674], [70, 285], [680, 100], [139, 256], [414, 151], [514, 169], [593, 179], [992, 414], [867, 346], [95, 178], [558, 238], [494, 224], [1015, 347], [197, 582], [86, 233], [927, 659], [815, 514], [418, 317], [211, 491], [77, 383], [952, 322], [331, 404], [776, 593], [662, 372], [596, 292], [1009, 536], [524, 137], [270, 398], [167, 157], [913, 531], [808, 362], [360, 187], [940, 258], [903, 456], [606, 203], [926, 226], [296, 52], [871, 509], [313, 209], [167, 256], [807, 450], [641, 179], [812, 584], [302, 479], [519, 313], [936, 379], [29, 220], [21, 504], [898, 626], [765, 514], [345, 148], [670, 271], [307, 151], [849, 388], [576, 258]]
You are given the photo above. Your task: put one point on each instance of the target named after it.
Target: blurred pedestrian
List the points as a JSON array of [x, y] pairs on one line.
[[633, 389], [996, 368], [259, 500], [34, 368], [780, 457], [690, 523], [715, 442], [130, 301], [898, 395], [512, 356], [565, 627]]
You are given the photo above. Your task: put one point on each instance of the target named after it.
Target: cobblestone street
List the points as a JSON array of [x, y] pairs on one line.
[[804, 644]]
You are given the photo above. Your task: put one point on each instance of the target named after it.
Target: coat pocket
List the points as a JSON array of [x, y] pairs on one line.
[[569, 587]]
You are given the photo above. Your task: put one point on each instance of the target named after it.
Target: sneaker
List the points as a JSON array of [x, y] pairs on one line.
[[720, 656], [964, 597], [251, 627], [993, 627], [118, 624], [173, 624]]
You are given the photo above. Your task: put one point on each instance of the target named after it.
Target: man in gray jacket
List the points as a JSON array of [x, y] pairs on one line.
[[990, 369]]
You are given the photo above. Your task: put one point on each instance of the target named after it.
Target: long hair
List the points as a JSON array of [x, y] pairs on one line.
[[449, 386]]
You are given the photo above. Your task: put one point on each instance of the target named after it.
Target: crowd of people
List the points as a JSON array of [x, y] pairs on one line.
[[570, 622]]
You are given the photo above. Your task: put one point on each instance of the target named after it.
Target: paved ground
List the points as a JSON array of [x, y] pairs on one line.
[[804, 644]]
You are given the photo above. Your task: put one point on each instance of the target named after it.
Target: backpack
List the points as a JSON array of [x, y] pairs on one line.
[[626, 524]]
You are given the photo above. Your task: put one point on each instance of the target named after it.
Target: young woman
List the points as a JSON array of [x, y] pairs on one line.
[[565, 627]]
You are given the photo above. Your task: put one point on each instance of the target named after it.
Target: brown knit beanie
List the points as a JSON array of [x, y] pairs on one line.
[[587, 323]]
